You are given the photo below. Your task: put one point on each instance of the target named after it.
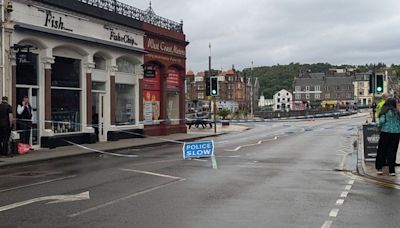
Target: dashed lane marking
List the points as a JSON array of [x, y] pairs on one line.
[[344, 194], [339, 202], [249, 145], [348, 187], [151, 173], [334, 213], [327, 224]]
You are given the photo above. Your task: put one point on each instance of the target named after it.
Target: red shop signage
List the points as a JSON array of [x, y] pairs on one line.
[[152, 83], [173, 80]]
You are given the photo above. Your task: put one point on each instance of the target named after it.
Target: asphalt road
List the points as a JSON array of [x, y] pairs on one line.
[[274, 175]]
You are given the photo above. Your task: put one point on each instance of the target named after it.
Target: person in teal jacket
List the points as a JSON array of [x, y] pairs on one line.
[[389, 124]]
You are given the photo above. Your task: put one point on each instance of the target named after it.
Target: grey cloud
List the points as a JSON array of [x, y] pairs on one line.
[[284, 31]]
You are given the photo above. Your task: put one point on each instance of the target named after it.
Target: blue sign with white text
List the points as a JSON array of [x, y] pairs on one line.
[[198, 149]]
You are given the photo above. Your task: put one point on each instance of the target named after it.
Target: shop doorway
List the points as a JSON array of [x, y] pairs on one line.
[[33, 94], [98, 116], [98, 110]]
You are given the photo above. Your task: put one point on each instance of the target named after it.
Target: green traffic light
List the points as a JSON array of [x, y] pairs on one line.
[[379, 89]]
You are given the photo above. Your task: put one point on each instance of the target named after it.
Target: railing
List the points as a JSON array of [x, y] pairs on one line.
[[147, 16]]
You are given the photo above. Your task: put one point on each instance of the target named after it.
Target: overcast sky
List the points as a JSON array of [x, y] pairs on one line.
[[283, 31]]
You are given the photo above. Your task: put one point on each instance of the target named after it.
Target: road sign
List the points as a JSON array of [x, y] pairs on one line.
[[371, 141], [198, 149]]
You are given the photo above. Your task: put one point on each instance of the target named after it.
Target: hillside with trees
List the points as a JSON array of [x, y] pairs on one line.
[[277, 77]]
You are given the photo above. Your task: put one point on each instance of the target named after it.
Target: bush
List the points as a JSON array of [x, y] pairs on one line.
[[224, 113]]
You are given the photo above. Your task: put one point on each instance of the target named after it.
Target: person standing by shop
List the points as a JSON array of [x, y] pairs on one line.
[[6, 123], [389, 124], [24, 111]]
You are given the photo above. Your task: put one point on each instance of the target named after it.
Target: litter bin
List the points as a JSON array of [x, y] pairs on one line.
[[371, 136]]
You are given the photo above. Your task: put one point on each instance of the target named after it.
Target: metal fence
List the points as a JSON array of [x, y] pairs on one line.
[[303, 113], [147, 16]]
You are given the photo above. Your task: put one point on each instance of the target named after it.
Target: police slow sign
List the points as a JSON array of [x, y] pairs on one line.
[[198, 149]]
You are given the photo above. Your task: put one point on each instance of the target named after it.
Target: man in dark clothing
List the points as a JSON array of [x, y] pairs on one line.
[[6, 121], [24, 125]]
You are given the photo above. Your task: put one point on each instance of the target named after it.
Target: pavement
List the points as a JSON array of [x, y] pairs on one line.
[[70, 151], [367, 168], [300, 174]]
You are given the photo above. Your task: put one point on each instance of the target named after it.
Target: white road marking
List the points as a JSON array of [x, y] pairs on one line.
[[222, 142], [334, 213], [344, 194], [55, 199], [151, 173], [234, 156], [123, 199], [35, 184], [327, 224], [200, 160], [249, 145], [348, 187], [351, 182], [234, 150], [339, 202]]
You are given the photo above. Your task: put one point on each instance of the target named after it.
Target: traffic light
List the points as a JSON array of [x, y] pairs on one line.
[[379, 83], [371, 83], [376, 83], [208, 85], [214, 87]]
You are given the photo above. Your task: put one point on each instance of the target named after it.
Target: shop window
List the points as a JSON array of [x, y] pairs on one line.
[[27, 71], [124, 104], [173, 107], [65, 95], [66, 72], [65, 111], [125, 66], [100, 63]]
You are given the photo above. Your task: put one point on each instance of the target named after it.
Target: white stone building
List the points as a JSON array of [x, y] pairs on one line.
[[283, 101], [262, 102]]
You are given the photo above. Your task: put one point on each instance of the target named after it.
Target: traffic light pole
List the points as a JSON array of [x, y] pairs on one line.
[[374, 105], [215, 115], [214, 97]]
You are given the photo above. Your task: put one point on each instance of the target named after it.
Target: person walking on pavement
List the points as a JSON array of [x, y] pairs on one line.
[[24, 111], [389, 123], [6, 123]]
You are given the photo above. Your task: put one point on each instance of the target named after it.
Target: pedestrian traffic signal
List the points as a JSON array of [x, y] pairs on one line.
[[214, 87], [379, 83]]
